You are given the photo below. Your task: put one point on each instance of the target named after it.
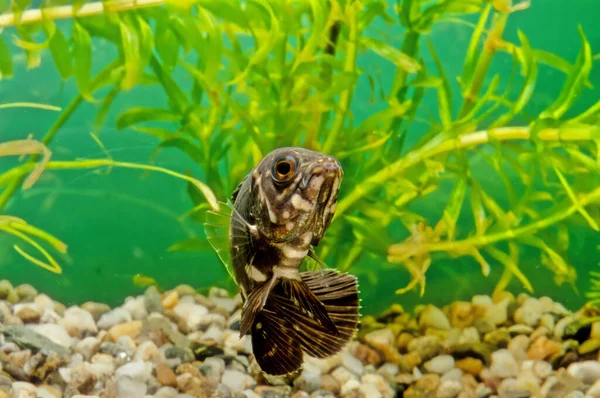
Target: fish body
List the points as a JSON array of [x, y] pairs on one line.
[[280, 210]]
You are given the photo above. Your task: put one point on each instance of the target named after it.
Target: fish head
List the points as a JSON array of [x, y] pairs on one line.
[[296, 193]]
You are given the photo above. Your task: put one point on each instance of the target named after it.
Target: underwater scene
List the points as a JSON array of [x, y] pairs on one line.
[[299, 198]]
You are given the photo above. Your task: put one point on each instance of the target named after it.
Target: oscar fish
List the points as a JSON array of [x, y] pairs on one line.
[[280, 211]]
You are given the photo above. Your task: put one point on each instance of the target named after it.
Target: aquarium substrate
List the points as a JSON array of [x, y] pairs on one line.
[[183, 344]]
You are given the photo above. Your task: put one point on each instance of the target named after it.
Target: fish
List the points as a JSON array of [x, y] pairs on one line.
[[279, 212]]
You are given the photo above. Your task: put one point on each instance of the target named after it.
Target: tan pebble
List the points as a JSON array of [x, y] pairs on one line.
[[542, 348], [3, 394], [595, 333], [366, 354], [51, 390], [409, 361], [403, 340], [461, 314], [189, 368], [470, 365], [29, 315], [329, 383], [170, 300], [165, 375], [131, 329]]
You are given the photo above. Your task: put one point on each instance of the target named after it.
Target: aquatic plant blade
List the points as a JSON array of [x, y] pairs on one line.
[[6, 62], [27, 147]]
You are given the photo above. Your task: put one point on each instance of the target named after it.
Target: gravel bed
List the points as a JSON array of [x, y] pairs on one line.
[[181, 344]]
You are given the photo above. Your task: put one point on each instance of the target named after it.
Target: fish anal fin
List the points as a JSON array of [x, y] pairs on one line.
[[274, 344]]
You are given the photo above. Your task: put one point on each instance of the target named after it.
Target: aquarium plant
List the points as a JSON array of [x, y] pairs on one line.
[[241, 78]]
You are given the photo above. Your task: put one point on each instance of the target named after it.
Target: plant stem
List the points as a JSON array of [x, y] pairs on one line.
[[398, 90], [350, 66], [62, 119], [22, 170], [439, 145], [490, 47], [477, 241], [63, 12]]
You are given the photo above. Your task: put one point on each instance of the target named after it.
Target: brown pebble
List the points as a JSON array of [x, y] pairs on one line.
[[165, 375], [409, 361], [403, 340], [29, 315], [366, 354], [83, 380], [131, 329], [542, 348], [470, 365]]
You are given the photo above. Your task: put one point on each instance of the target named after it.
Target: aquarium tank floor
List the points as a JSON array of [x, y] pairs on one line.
[[468, 132]]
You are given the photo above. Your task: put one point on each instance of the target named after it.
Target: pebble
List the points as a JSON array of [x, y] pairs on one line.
[[183, 344], [440, 364], [77, 321]]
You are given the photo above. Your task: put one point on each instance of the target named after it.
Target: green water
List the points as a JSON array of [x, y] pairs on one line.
[[121, 223]]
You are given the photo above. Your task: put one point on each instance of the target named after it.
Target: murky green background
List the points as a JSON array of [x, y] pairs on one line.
[[121, 223]]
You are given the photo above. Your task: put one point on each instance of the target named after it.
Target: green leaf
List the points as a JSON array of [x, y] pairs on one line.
[[382, 117], [574, 83], [511, 265], [82, 53], [142, 114], [61, 54], [228, 10], [191, 245], [6, 63], [106, 104], [392, 54], [444, 91], [472, 52], [453, 208], [137, 42], [186, 146], [166, 44]]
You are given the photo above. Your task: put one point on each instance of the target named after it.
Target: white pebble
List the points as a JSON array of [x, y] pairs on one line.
[[148, 352], [136, 370], [503, 364], [370, 390], [166, 392], [130, 388], [587, 371], [192, 313], [594, 391], [114, 317], [76, 321], [236, 380], [350, 385], [136, 307], [88, 347], [352, 363], [54, 332], [449, 389], [440, 364], [434, 317], [21, 389]]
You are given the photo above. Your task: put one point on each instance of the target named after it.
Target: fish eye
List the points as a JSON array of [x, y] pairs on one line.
[[284, 168]]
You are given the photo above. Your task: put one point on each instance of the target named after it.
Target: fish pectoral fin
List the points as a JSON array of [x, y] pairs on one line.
[[338, 294], [313, 255], [254, 303]]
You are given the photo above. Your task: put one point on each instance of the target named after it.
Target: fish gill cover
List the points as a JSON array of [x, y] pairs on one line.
[[476, 162]]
